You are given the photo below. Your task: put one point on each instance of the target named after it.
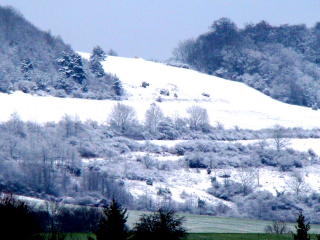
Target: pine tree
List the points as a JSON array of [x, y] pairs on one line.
[[98, 54], [71, 65], [113, 223], [78, 73], [117, 86], [26, 68], [302, 229], [96, 57]]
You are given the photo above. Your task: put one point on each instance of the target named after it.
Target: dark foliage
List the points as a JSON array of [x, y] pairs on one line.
[[36, 62], [302, 228], [96, 57], [17, 221], [163, 224], [282, 61], [113, 223]]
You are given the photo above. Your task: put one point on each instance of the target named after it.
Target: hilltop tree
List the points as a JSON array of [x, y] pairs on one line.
[[113, 223], [281, 61], [302, 229], [96, 57]]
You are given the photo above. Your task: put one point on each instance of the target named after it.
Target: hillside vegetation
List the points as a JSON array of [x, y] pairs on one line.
[[165, 137], [34, 61], [281, 61]]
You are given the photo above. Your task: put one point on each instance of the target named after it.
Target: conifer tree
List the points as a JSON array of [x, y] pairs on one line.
[[302, 229], [113, 223], [96, 57]]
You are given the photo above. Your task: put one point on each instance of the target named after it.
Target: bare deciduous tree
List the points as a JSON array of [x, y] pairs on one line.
[[153, 117], [279, 139], [199, 119], [122, 117], [277, 227], [297, 184], [247, 180]]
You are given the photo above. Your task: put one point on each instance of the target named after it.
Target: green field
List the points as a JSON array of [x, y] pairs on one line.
[[240, 236], [203, 227], [69, 236], [205, 236], [210, 224]]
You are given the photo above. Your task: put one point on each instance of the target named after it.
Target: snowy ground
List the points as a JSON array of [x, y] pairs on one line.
[[227, 102]]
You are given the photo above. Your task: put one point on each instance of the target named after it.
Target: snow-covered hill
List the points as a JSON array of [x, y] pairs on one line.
[[174, 90], [227, 102]]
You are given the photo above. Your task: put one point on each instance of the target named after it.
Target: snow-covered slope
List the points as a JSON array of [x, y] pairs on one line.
[[230, 103], [227, 102]]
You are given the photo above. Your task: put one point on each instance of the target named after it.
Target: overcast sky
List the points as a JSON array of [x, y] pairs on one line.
[[153, 28]]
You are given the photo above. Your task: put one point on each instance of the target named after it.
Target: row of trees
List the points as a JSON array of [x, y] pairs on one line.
[[281, 61], [123, 120], [163, 224], [19, 221]]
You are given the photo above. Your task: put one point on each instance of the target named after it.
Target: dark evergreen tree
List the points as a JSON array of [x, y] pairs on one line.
[[302, 229], [96, 57], [163, 224], [96, 68], [98, 54], [78, 73], [71, 66], [117, 86], [113, 223]]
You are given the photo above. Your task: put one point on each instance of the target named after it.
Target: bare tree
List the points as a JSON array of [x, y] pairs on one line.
[[247, 179], [277, 227], [297, 184], [279, 139], [199, 119], [153, 117], [122, 117]]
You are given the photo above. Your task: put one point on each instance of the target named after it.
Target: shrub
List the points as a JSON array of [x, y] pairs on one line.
[[163, 224], [17, 221], [145, 84], [113, 223]]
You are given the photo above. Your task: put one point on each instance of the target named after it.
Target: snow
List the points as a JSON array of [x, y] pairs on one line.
[[229, 103]]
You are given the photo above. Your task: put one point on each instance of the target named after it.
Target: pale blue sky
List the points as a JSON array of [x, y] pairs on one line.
[[153, 28]]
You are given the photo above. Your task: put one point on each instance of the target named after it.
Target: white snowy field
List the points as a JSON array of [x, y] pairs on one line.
[[228, 103]]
